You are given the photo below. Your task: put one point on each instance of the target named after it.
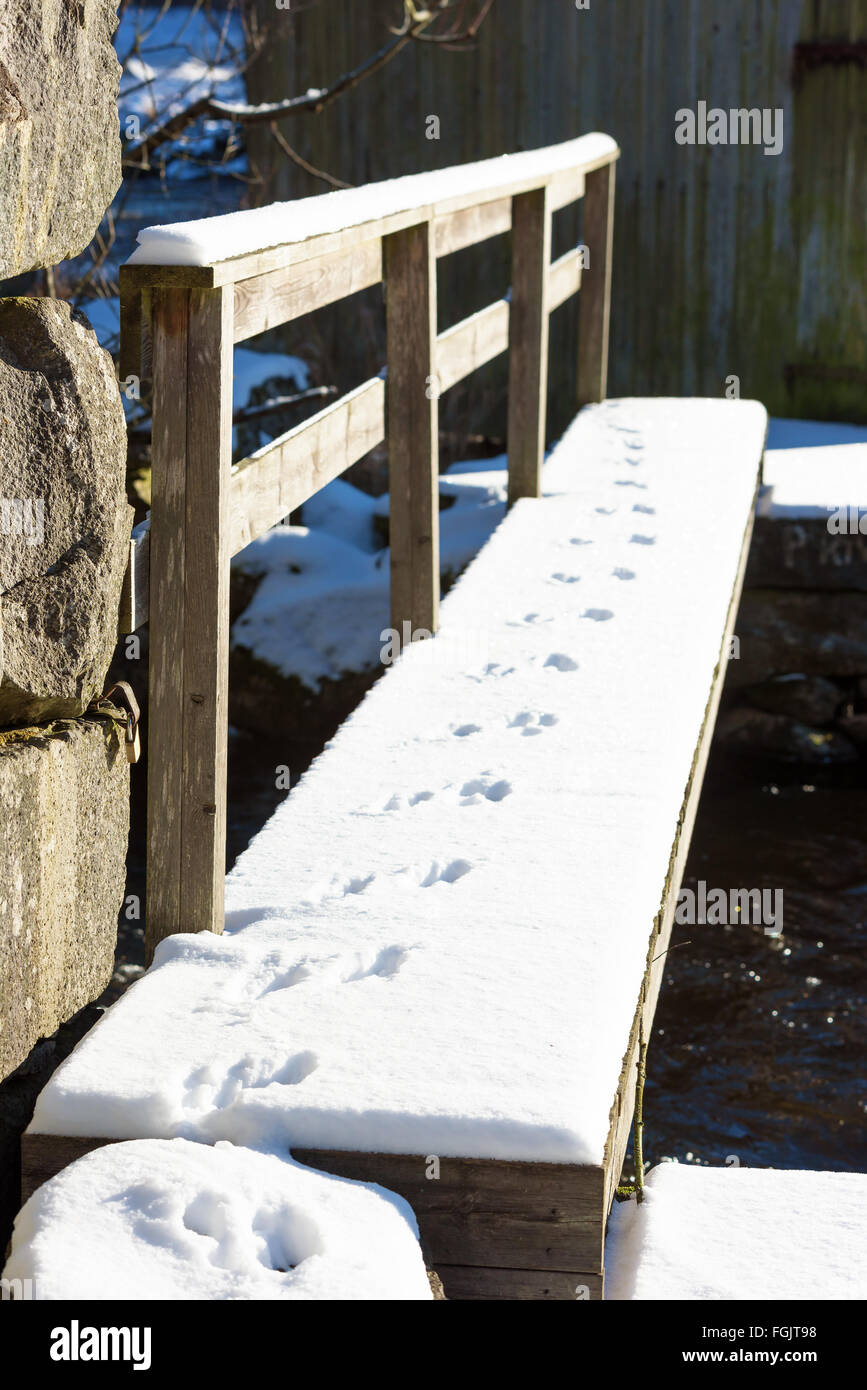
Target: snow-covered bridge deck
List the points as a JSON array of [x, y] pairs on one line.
[[438, 950]]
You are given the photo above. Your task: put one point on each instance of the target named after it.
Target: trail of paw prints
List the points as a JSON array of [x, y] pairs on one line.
[[486, 787]]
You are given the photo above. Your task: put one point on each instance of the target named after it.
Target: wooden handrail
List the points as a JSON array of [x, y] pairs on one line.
[[184, 319]]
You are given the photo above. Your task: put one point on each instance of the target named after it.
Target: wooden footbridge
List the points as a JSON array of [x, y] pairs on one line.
[[520, 1202]]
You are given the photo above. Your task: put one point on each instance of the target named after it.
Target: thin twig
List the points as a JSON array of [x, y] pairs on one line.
[[302, 163]]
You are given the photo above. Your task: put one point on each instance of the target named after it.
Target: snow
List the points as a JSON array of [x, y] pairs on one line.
[[812, 468], [214, 239], [167, 1219], [323, 602], [319, 608], [435, 946], [739, 1233]]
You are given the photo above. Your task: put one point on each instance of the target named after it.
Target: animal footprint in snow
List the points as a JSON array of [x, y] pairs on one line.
[[648, 511], [531, 619], [385, 966], [598, 615], [566, 578], [560, 661], [482, 787], [576, 540], [357, 885], [450, 874], [419, 797], [464, 730], [606, 511], [255, 1073], [622, 573], [207, 1089], [642, 540], [531, 724], [288, 980]]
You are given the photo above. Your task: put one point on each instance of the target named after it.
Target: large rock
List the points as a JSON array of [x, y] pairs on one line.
[[59, 132], [64, 518], [786, 630], [63, 837], [810, 699]]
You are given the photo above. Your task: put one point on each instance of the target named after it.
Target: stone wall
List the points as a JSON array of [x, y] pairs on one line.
[[64, 531]]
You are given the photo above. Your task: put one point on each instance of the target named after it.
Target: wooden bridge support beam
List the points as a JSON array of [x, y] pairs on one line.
[[189, 610], [528, 342], [412, 427], [594, 301]]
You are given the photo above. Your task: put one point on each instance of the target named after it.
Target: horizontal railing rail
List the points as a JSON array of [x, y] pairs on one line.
[[180, 322]]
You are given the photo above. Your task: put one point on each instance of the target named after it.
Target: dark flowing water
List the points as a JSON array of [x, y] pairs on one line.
[[758, 1045]]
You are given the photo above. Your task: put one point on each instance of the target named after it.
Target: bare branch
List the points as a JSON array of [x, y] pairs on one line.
[[302, 163], [414, 27]]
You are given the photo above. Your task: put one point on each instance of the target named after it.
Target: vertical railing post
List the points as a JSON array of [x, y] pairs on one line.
[[412, 428], [528, 342], [189, 610], [594, 299]]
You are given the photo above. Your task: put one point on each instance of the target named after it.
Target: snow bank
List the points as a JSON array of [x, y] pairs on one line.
[[324, 597], [812, 468], [159, 1219], [740, 1233], [240, 233], [436, 944]]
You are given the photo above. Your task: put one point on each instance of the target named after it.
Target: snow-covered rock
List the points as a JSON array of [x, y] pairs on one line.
[[167, 1219]]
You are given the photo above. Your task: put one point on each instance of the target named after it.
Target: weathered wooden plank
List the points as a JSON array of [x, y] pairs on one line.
[[206, 611], [622, 1109], [487, 1212], [528, 343], [273, 482], [276, 297], [566, 188], [171, 317], [43, 1156], [473, 1282], [412, 414], [594, 306], [471, 343], [564, 278], [130, 356], [134, 602], [455, 230]]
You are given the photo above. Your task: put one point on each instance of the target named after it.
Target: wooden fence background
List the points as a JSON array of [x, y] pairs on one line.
[[727, 261]]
